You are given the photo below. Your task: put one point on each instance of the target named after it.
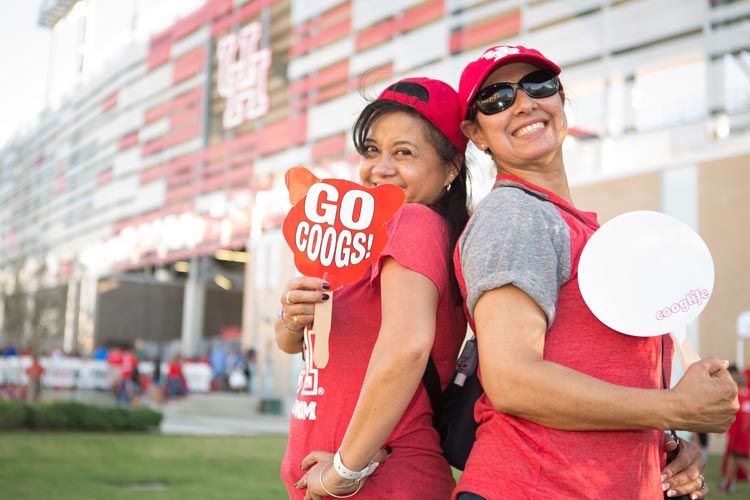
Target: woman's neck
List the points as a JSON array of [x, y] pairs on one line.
[[552, 179]]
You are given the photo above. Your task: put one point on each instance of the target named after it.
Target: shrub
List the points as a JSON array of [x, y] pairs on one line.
[[48, 416], [143, 419], [76, 416], [12, 415]]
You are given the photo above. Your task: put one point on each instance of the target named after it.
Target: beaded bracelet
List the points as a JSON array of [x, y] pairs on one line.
[[348, 495], [283, 323]]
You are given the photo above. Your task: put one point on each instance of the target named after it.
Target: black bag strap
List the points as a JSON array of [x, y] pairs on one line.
[[431, 382]]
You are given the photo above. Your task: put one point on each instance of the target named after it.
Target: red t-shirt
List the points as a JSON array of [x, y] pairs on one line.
[[174, 369], [524, 235], [35, 371], [418, 240], [129, 363], [738, 436]]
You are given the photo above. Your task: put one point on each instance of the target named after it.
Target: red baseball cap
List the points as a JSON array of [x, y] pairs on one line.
[[435, 100], [476, 72]]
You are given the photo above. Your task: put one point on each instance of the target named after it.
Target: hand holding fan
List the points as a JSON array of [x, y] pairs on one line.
[[644, 273], [336, 229]]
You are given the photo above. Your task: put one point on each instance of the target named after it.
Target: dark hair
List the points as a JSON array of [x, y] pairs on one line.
[[452, 206]]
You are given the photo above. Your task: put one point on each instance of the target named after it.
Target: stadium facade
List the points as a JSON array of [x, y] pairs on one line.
[[145, 203]]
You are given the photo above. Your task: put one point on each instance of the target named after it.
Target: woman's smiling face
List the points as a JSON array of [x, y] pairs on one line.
[[531, 131], [398, 152]]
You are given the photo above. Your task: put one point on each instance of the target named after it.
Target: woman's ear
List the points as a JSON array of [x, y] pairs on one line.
[[475, 134]]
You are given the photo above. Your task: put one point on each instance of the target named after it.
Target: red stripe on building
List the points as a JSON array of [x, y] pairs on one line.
[[282, 135], [329, 146], [160, 50], [376, 34], [104, 177], [171, 139], [486, 32], [241, 159], [191, 98], [244, 141], [212, 10], [181, 194], [189, 64], [242, 175], [332, 74], [109, 103], [327, 18], [330, 93], [153, 146], [184, 134], [422, 14], [330, 26], [189, 116], [151, 174], [128, 140], [322, 38], [158, 111], [239, 16]]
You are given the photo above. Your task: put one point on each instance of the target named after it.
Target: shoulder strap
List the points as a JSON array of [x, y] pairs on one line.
[[431, 382], [542, 197]]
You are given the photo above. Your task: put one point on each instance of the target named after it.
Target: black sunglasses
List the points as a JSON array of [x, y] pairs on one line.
[[500, 96]]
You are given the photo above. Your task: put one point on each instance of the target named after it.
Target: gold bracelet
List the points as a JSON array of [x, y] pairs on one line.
[[359, 487]]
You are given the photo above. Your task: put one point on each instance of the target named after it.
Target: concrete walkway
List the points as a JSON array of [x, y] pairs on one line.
[[220, 414], [212, 414]]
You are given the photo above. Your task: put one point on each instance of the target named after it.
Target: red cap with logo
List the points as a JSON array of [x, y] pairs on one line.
[[476, 72], [435, 100]]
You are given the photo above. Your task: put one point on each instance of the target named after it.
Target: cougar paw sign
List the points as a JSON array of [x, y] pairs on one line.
[[336, 228]]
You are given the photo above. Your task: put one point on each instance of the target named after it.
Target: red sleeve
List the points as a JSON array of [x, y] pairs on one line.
[[418, 240]]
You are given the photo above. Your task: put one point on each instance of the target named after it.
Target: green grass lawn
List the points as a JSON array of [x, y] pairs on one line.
[[79, 466]]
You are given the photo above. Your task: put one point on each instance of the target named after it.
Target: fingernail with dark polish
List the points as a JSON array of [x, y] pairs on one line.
[[326, 296], [326, 286]]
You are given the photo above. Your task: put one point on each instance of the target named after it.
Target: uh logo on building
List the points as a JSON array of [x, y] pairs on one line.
[[242, 75], [336, 230]]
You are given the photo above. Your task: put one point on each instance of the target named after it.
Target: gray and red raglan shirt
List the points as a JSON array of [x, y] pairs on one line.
[[528, 237]]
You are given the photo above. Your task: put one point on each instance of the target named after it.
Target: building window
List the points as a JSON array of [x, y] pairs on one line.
[[669, 96], [736, 72]]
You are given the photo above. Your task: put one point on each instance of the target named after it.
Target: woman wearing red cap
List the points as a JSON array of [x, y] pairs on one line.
[[368, 403], [570, 406]]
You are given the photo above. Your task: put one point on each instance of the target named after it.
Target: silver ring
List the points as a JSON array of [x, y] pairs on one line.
[[703, 480], [288, 302]]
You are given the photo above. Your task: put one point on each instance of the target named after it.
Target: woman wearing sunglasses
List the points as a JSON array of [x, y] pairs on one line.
[[572, 409]]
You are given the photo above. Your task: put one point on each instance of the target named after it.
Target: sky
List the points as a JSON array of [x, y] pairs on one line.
[[24, 63]]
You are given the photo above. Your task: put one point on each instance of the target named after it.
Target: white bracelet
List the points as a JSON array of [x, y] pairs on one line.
[[343, 471]]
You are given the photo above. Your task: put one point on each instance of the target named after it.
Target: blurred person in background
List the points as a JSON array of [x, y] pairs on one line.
[[218, 358], [130, 383], [737, 456], [176, 385], [34, 374]]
